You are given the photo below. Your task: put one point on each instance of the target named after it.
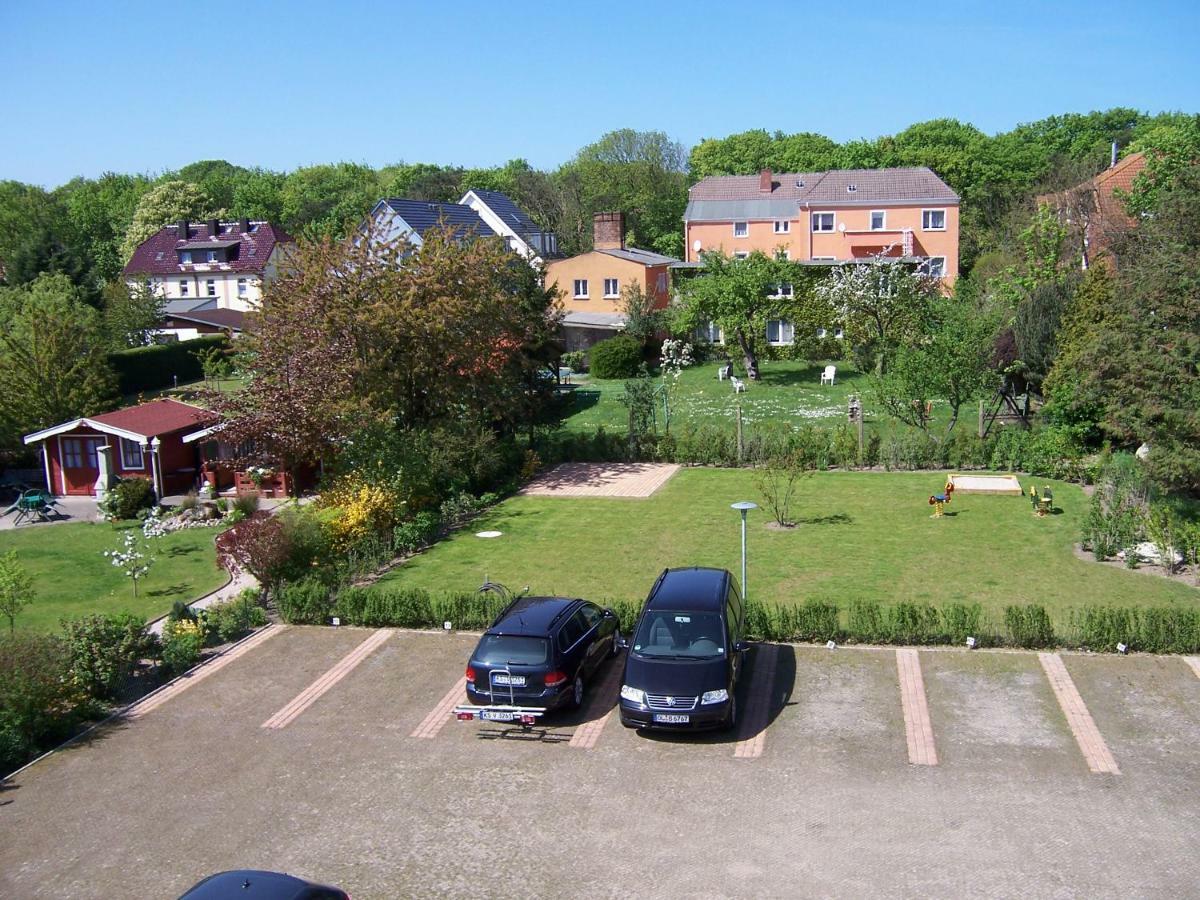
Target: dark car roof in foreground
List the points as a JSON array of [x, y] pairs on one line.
[[532, 615], [695, 588], [252, 884]]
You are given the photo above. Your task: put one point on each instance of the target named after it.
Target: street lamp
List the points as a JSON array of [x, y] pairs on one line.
[[744, 506]]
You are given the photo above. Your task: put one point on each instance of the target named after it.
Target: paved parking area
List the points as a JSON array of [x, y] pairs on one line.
[[332, 754]]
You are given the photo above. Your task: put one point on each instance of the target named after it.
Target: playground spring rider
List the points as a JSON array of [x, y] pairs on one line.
[[939, 501], [1042, 505]]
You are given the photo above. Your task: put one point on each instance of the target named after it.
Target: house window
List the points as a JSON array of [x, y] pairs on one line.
[[211, 256], [611, 288], [824, 259], [783, 290], [839, 333], [783, 226], [185, 257], [741, 229], [710, 333], [933, 220], [934, 267], [878, 219], [822, 221], [182, 288], [131, 455], [581, 289], [783, 253], [741, 254], [241, 287], [780, 331], [158, 255], [212, 287]]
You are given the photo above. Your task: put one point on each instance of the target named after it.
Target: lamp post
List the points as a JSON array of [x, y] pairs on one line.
[[744, 506], [156, 467]]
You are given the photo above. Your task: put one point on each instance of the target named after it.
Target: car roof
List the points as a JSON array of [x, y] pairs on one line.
[[252, 884], [533, 616], [697, 588]]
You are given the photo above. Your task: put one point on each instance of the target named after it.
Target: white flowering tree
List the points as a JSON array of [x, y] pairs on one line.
[[131, 558], [676, 356]]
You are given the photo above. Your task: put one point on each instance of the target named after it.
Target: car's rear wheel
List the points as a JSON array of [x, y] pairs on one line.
[[616, 644], [577, 692]]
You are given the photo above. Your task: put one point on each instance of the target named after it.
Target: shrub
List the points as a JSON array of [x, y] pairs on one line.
[[157, 366], [616, 357], [261, 545], [415, 533], [231, 619], [962, 620], [575, 360], [246, 504], [865, 622], [1029, 626], [305, 602], [181, 644], [38, 699], [104, 649], [1103, 627], [190, 501], [128, 497]]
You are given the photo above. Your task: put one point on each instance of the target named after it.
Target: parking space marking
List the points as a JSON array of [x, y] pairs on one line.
[[157, 699], [587, 734], [1194, 662], [917, 727], [758, 710], [436, 720], [318, 688], [1100, 761]]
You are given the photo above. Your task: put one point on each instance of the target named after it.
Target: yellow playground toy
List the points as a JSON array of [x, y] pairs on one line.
[[939, 501], [1043, 504]]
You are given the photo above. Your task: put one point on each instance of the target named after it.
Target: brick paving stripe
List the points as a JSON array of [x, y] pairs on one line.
[[1095, 752], [1194, 662], [917, 727], [436, 720], [588, 734], [214, 665], [758, 710], [321, 686]]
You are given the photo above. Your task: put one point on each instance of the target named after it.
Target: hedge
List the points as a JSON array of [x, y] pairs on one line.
[[157, 366], [616, 357], [1152, 630]]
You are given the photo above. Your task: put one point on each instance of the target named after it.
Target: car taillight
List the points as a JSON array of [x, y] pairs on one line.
[[470, 675], [554, 679]]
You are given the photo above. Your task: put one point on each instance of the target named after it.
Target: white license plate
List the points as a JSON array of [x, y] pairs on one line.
[[493, 715], [672, 718], [514, 680]]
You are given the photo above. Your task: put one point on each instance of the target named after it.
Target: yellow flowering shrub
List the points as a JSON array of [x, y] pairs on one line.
[[356, 509]]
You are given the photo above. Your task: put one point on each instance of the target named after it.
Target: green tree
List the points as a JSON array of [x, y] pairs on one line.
[[101, 211], [132, 314], [169, 202], [1171, 145], [642, 320], [258, 196], [16, 588], [217, 180], [37, 236], [323, 201]]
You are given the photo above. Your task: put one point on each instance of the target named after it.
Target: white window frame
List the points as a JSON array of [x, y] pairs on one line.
[[882, 222], [925, 213], [839, 333], [128, 446], [784, 326], [783, 226], [781, 294], [584, 294], [927, 267], [210, 256], [821, 332], [783, 253], [243, 287], [819, 216], [711, 333], [616, 292], [185, 257], [183, 287], [745, 229], [741, 254], [210, 286]]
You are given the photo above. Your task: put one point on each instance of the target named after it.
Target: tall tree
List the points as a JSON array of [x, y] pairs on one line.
[[169, 202], [101, 211], [328, 200], [132, 313], [37, 235]]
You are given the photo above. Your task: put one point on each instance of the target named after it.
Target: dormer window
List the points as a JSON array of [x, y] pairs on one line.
[[851, 188], [211, 256], [158, 255], [185, 257], [253, 251]]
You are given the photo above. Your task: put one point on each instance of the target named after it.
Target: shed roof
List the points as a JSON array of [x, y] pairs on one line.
[[141, 423]]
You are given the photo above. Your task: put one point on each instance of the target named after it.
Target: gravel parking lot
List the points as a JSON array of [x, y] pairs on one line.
[[329, 757]]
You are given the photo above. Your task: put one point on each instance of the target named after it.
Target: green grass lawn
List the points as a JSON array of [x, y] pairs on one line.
[[863, 535], [73, 578], [788, 391]]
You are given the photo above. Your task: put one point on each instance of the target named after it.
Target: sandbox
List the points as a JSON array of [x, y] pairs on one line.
[[986, 484]]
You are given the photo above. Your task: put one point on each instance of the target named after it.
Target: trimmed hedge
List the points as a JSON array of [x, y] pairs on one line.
[[1154, 630], [152, 368], [616, 357]]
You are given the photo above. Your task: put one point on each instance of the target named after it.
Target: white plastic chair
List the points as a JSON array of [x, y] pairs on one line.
[[828, 375], [739, 386]]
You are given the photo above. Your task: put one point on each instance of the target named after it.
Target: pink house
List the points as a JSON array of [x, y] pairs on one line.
[[144, 441]]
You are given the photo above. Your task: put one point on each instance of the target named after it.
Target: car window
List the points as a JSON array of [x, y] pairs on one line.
[[591, 614], [503, 649], [690, 635]]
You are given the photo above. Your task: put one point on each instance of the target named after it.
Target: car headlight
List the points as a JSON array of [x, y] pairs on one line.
[[714, 697], [632, 694]]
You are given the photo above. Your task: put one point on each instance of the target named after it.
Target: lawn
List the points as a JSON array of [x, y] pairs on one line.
[[73, 578], [788, 391], [863, 535]]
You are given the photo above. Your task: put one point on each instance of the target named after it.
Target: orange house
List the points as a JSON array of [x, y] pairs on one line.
[[591, 284], [839, 215]]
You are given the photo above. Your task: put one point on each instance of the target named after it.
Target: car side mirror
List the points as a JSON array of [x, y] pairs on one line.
[[609, 614], [623, 642], [741, 646]]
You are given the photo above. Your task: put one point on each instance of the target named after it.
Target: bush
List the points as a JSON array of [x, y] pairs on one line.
[[128, 497], [230, 620], [417, 532], [305, 602], [150, 368], [261, 545], [246, 504], [104, 649], [1029, 626], [39, 702], [616, 357], [575, 360], [181, 644]]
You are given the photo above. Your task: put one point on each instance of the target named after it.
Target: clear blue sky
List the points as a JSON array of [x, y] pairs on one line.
[[151, 86]]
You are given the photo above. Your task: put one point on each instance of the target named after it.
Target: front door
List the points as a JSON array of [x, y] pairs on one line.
[[80, 466]]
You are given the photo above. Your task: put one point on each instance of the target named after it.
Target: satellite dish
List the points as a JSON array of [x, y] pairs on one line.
[[842, 227], [696, 245]]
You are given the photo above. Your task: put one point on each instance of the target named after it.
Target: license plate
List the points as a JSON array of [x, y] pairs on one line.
[[514, 680], [672, 718], [493, 715]]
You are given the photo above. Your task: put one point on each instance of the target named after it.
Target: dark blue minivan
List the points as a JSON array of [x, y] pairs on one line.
[[686, 653]]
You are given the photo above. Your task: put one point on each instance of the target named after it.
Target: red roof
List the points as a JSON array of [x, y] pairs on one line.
[[1118, 178], [158, 417], [248, 251]]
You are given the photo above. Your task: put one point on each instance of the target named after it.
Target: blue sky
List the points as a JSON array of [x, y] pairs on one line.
[[151, 86]]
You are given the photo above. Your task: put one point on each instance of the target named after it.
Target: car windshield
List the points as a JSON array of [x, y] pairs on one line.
[[683, 635], [506, 649]]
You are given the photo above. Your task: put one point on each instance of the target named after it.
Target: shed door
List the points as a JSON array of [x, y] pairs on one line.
[[80, 466]]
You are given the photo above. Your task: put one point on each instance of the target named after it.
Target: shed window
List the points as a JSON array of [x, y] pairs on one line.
[[131, 455]]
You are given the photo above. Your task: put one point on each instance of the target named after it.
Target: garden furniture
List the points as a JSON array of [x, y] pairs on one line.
[[739, 386], [828, 375]]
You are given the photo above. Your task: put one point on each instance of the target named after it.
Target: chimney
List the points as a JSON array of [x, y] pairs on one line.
[[608, 231], [244, 225], [1114, 155], [214, 227], [764, 181], [183, 229]]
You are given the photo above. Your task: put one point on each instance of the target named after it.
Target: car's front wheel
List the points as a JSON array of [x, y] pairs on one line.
[[731, 716], [577, 692]]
